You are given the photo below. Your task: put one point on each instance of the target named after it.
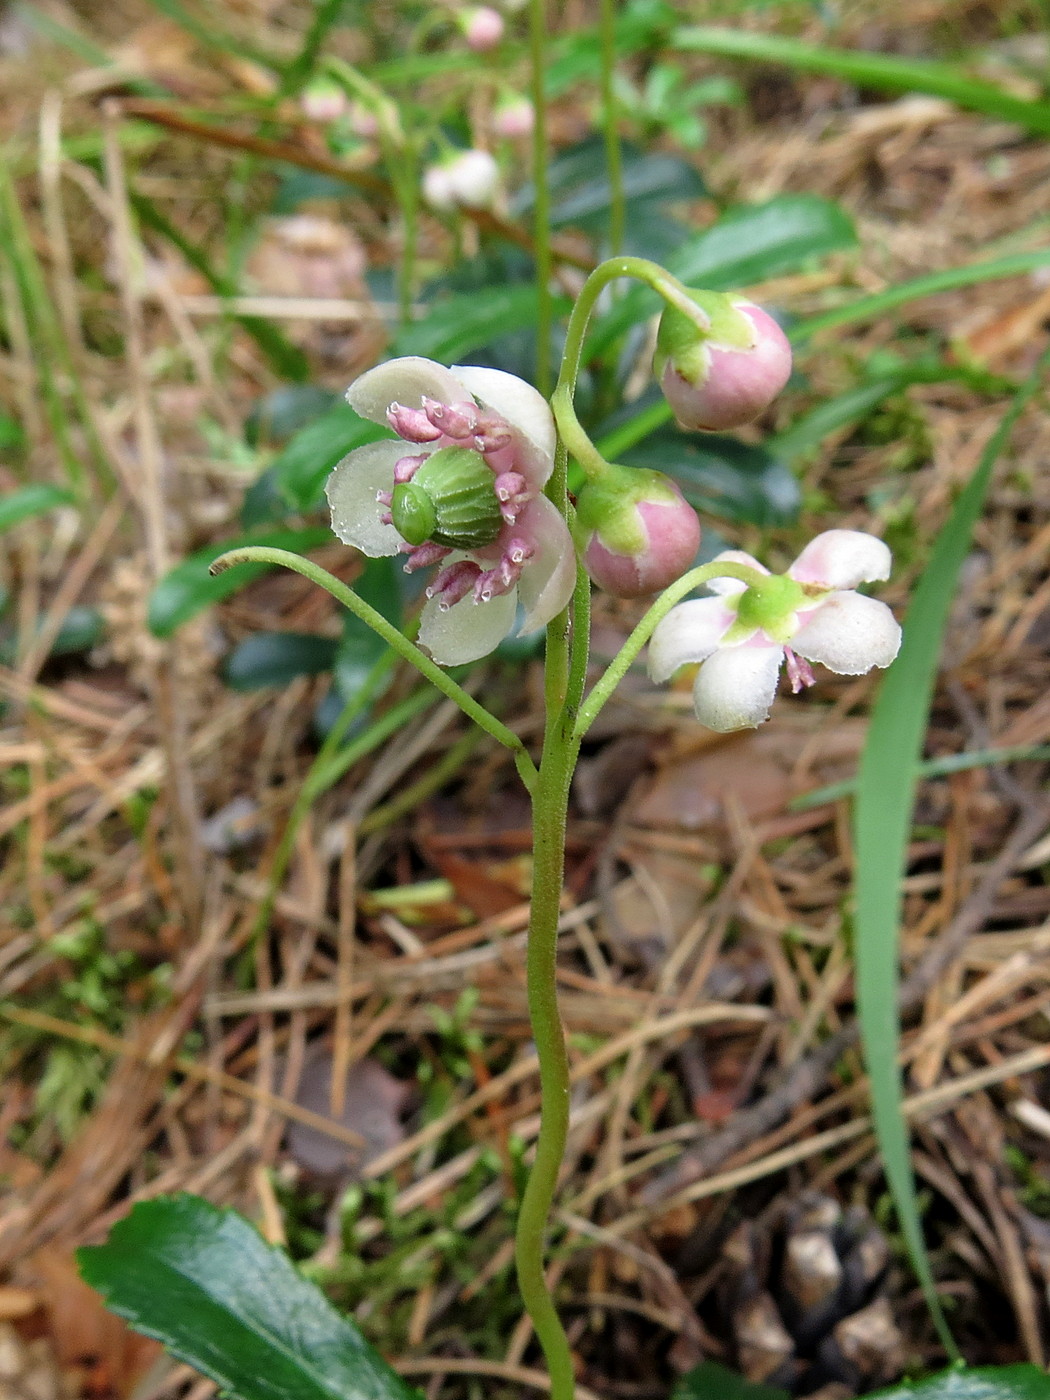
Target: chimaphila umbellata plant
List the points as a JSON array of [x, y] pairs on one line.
[[474, 488]]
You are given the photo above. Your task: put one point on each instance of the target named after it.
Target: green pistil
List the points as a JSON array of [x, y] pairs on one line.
[[770, 607], [451, 500]]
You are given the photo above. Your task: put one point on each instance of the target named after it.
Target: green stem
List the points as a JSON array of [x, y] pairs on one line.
[[673, 292], [613, 158], [262, 554], [541, 235], [628, 653]]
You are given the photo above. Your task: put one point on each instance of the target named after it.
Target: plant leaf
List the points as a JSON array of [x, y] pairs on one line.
[[31, 500], [459, 324], [709, 1381], [189, 588], [204, 1282], [1021, 1382], [275, 658], [883, 71], [886, 783]]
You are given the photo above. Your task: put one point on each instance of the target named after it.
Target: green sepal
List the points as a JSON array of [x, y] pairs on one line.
[[607, 506], [459, 486], [681, 343]]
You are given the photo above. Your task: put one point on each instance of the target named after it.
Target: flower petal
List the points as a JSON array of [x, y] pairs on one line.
[[351, 491], [468, 630], [407, 381], [733, 585], [735, 687], [525, 410], [690, 632], [849, 634], [842, 559], [549, 577]]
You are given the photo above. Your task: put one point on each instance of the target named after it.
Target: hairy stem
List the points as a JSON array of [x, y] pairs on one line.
[[613, 159]]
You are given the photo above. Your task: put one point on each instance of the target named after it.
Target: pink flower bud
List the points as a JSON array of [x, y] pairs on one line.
[[513, 118], [323, 101], [363, 121], [636, 532], [726, 375], [482, 28]]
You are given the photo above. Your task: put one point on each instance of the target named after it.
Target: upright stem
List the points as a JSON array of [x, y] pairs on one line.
[[541, 235], [613, 159]]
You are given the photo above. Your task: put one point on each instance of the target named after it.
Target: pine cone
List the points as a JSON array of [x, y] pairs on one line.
[[805, 1300]]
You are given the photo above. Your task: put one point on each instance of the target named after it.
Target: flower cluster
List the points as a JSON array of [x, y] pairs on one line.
[[463, 488], [745, 633]]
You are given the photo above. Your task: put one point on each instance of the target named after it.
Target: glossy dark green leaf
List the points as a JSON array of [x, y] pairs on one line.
[[206, 1285], [709, 1381], [28, 501], [275, 658], [722, 476], [581, 194], [11, 434], [188, 588], [452, 328], [277, 415], [301, 469], [82, 627], [748, 244], [1022, 1382]]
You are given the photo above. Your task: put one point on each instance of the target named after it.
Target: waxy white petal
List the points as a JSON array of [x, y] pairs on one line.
[[849, 634], [690, 632], [407, 381], [526, 412], [468, 630], [351, 492], [733, 585], [842, 559], [549, 577], [735, 687]]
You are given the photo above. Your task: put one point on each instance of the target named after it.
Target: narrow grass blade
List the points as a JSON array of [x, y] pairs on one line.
[[886, 784], [27, 501], [882, 71]]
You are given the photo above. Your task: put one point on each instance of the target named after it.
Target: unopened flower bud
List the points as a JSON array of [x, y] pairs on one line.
[[514, 117], [323, 100], [635, 530], [469, 180], [482, 28], [726, 375]]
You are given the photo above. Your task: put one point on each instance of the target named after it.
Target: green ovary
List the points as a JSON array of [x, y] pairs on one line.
[[451, 501], [770, 607]]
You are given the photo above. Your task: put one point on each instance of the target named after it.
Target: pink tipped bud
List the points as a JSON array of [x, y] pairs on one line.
[[482, 28], [726, 375], [323, 101], [363, 121], [514, 117], [636, 531]]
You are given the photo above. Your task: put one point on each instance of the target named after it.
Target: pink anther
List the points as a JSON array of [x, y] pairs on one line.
[[454, 583], [455, 420], [405, 468], [412, 424], [799, 671], [421, 556]]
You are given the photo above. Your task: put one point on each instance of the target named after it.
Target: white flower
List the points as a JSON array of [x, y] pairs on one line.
[[811, 613], [511, 545]]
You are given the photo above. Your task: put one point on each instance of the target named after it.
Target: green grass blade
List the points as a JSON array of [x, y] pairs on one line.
[[885, 72], [882, 820]]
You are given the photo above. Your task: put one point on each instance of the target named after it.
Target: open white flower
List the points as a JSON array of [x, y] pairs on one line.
[[466, 492], [743, 634]]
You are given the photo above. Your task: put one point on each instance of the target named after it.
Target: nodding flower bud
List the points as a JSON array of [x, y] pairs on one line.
[[635, 531], [469, 180], [724, 376], [323, 100], [482, 28], [514, 116]]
